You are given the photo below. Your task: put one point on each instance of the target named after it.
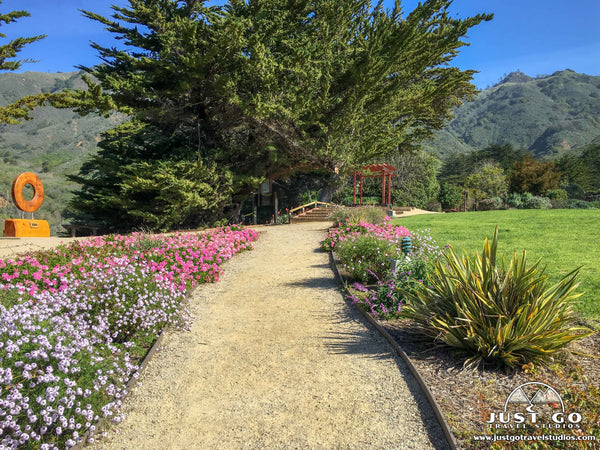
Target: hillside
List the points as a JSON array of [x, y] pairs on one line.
[[54, 143], [546, 115]]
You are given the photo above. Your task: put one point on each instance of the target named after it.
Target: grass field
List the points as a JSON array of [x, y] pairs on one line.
[[563, 239]]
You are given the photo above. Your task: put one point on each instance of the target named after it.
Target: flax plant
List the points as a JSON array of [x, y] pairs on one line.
[[496, 312]]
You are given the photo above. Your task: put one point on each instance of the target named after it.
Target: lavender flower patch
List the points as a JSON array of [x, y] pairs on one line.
[[386, 299], [73, 322], [56, 370]]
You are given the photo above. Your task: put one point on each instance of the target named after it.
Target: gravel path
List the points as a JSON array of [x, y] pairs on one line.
[[276, 359]]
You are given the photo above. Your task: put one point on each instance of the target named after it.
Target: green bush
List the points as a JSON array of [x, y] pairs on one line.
[[514, 200], [577, 204], [434, 205], [558, 198], [451, 196], [525, 197], [489, 204], [365, 258], [536, 202], [355, 214], [557, 194], [505, 314]]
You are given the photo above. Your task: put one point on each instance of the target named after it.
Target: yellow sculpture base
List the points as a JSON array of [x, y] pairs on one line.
[[26, 228]]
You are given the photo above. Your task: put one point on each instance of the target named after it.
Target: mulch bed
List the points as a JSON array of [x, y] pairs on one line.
[[467, 397]]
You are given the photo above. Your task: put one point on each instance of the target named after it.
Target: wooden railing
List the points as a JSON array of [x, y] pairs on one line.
[[303, 207]]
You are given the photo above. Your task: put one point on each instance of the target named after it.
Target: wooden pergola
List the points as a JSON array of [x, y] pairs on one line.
[[385, 171]]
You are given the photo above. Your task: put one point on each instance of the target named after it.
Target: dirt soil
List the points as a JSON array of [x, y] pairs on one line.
[[467, 397], [13, 247], [276, 358]]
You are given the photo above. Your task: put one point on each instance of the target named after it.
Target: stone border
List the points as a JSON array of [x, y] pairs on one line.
[[452, 442]]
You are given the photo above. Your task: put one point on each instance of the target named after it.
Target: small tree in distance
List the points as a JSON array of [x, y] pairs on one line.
[[451, 196], [416, 183], [487, 181], [536, 177]]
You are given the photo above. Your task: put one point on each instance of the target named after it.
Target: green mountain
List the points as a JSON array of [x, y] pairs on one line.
[[546, 115], [54, 143]]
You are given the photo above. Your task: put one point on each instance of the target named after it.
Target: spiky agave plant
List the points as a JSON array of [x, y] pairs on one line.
[[506, 314]]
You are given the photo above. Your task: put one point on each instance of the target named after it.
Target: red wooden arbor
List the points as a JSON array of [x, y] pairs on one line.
[[385, 171]]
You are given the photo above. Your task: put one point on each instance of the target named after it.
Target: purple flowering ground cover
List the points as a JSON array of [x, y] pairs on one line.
[[365, 252], [76, 320]]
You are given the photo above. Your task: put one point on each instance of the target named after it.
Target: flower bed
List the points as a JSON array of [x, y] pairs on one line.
[[348, 230], [365, 251], [74, 322]]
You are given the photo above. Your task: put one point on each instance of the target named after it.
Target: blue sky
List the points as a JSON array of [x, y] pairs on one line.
[[535, 36]]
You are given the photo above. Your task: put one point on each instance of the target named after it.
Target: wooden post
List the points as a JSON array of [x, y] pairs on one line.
[[361, 189], [383, 189], [389, 189], [354, 189], [254, 210], [276, 206]]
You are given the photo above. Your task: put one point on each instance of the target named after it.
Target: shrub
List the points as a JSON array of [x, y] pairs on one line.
[[451, 196], [514, 200], [385, 301], [500, 313], [577, 204], [557, 194], [366, 258], [558, 198], [434, 205], [536, 202], [358, 214], [489, 204], [525, 197]]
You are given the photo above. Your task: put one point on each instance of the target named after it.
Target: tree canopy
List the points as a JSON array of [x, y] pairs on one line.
[[10, 50], [533, 176], [257, 89], [19, 110]]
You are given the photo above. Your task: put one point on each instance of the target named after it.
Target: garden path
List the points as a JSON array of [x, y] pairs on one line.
[[276, 358]]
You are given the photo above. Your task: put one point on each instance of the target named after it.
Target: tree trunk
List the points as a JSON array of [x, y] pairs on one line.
[[329, 189]]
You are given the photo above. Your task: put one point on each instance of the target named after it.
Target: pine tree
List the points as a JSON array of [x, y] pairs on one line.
[[262, 88]]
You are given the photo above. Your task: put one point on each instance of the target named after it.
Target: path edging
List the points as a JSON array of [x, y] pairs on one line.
[[128, 387], [452, 442]]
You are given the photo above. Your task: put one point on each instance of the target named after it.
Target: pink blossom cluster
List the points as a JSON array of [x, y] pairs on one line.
[[385, 230], [185, 259], [71, 318]]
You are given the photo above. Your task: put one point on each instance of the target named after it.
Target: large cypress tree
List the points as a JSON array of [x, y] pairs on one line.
[[257, 89]]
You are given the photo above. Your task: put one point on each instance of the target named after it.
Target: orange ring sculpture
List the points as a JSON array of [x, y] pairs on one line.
[[38, 192]]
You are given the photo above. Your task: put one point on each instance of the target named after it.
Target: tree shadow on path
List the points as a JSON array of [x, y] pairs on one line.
[[367, 341]]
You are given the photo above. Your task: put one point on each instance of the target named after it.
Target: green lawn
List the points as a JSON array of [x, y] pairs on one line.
[[564, 239]]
